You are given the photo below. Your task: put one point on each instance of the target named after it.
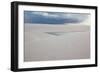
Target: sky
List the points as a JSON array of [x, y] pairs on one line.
[[53, 18]]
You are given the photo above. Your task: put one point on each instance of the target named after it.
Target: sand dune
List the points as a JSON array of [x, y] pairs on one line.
[[70, 42], [56, 28]]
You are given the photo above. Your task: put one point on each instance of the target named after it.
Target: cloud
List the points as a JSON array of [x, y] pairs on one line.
[[61, 15], [54, 17], [46, 14], [37, 13]]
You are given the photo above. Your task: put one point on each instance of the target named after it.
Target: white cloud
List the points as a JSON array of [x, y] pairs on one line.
[[38, 13], [46, 14], [53, 15], [80, 17]]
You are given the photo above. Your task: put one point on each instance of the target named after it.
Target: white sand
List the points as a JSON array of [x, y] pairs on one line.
[[73, 43]]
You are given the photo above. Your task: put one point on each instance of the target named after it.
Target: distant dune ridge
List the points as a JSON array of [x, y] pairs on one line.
[[56, 42], [56, 28]]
